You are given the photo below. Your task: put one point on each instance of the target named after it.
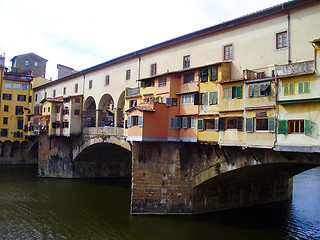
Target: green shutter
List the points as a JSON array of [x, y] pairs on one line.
[[200, 124], [239, 91], [307, 127], [286, 88], [306, 86], [300, 88], [256, 90], [240, 123], [222, 124], [251, 90], [282, 126], [291, 89], [271, 124], [227, 93], [196, 98], [249, 124]]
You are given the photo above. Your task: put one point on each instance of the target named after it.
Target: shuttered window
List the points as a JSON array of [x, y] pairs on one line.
[[240, 123], [289, 88], [168, 102], [129, 121], [214, 73], [216, 124], [239, 92], [172, 123], [185, 122], [232, 92], [197, 99], [222, 124], [192, 122], [20, 123], [213, 98], [260, 90], [204, 98], [227, 93], [282, 127], [178, 122], [200, 124], [249, 124], [304, 87], [204, 75]]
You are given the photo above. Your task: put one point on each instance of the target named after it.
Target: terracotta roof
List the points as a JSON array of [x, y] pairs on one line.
[[141, 108], [52, 100], [231, 80]]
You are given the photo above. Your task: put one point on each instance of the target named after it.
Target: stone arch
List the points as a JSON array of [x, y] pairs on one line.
[[89, 112], [106, 111], [120, 108], [6, 152], [111, 139], [16, 149]]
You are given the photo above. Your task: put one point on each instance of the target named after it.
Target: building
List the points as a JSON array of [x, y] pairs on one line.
[[64, 71], [29, 63], [220, 85]]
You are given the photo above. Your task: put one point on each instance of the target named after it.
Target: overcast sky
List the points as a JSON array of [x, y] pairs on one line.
[[81, 34]]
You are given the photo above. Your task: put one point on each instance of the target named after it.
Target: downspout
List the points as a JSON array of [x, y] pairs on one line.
[[288, 38]]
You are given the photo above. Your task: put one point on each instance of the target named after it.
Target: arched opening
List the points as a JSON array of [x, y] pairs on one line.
[[33, 152], [120, 108], [15, 149], [103, 160], [106, 111], [89, 113], [6, 148]]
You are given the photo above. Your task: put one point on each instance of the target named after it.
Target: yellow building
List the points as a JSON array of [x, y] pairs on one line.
[[299, 104], [15, 105]]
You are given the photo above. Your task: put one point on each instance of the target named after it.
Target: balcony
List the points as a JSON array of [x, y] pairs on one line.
[[294, 69], [132, 92]]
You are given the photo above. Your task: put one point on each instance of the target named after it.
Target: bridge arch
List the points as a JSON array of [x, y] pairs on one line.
[[89, 112]]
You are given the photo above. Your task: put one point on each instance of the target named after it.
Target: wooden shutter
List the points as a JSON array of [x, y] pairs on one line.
[[129, 121], [239, 91], [204, 75], [227, 93], [140, 120], [251, 90], [172, 123], [256, 90], [214, 73], [222, 124], [213, 98], [20, 123], [196, 98], [271, 124], [240, 123], [216, 124], [286, 88], [204, 99], [306, 87], [307, 127], [282, 126], [200, 124], [249, 124], [291, 89], [300, 88], [185, 122]]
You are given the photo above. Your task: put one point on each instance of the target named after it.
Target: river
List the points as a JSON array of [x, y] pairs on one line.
[[38, 208]]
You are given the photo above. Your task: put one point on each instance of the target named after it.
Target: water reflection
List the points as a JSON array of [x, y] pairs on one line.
[[33, 208]]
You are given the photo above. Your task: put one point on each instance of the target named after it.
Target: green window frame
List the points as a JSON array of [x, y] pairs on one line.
[[307, 127], [304, 87], [200, 124], [232, 92], [289, 88]]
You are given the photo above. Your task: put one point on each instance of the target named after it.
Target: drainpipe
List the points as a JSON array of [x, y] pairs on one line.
[[139, 68], [288, 38]]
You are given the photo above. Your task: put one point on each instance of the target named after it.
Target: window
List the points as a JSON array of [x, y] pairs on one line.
[[107, 80], [30, 99], [64, 91], [153, 69], [54, 93], [20, 123], [76, 112], [90, 84], [162, 82], [7, 85], [289, 88], [6, 108], [186, 61], [25, 86], [209, 124], [16, 86], [128, 74], [296, 126], [147, 83], [21, 98], [58, 109], [26, 63], [76, 87], [135, 121], [175, 123], [48, 109], [4, 133], [36, 64], [6, 96], [65, 124], [228, 52], [133, 103], [36, 97], [232, 92], [214, 73], [231, 123], [262, 124], [187, 99], [45, 95], [281, 40], [18, 134], [259, 90], [304, 87], [188, 78], [5, 120], [204, 75], [213, 98], [77, 100], [65, 112], [204, 98]]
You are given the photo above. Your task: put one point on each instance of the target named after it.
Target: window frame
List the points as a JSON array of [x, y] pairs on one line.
[[186, 61], [188, 78], [153, 69], [90, 84], [76, 88], [228, 52], [128, 74], [279, 38], [162, 82]]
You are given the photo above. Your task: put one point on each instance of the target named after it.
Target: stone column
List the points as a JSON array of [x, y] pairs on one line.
[[98, 117]]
